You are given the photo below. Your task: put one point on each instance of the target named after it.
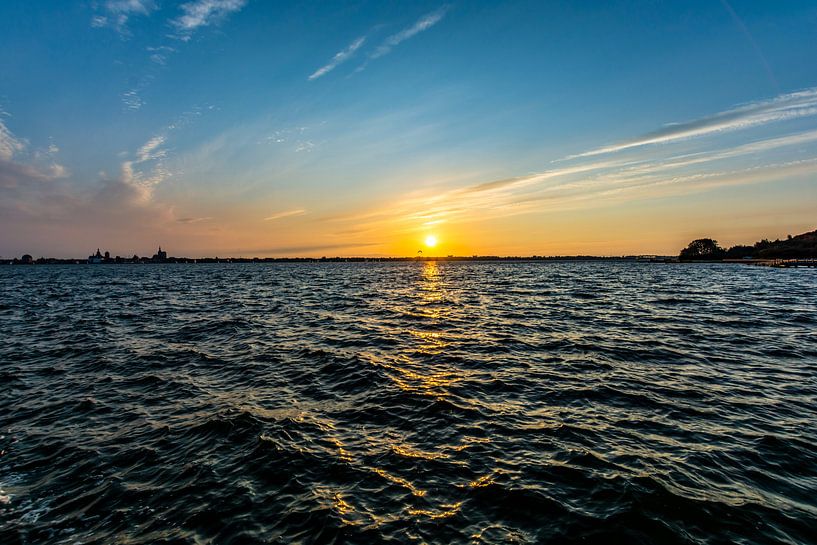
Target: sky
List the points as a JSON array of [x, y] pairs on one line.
[[267, 128]]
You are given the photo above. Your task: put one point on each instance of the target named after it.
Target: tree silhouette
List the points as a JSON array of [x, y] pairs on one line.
[[702, 249]]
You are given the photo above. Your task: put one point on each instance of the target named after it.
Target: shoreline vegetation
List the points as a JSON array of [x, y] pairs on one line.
[[801, 247], [793, 251]]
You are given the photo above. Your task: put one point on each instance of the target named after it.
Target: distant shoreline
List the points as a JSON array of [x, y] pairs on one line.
[[794, 251], [779, 263], [335, 259]]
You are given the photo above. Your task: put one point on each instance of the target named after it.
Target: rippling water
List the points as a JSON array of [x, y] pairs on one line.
[[408, 403]]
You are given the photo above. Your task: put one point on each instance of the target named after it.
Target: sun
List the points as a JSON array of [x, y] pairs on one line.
[[431, 241]]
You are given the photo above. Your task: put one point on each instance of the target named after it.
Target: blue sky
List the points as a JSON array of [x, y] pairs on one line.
[[247, 127]]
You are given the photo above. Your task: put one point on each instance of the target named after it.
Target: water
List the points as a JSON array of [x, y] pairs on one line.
[[408, 403]]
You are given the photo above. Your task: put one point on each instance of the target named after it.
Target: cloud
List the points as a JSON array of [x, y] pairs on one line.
[[132, 100], [160, 53], [15, 176], [423, 23], [286, 214], [43, 168], [57, 217], [144, 178], [151, 149], [148, 169], [36, 191], [307, 248], [201, 13], [304, 146], [116, 13], [9, 144], [781, 108], [53, 210], [57, 171], [339, 58], [530, 179], [143, 181]]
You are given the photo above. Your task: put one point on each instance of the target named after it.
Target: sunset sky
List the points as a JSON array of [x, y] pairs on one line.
[[260, 128]]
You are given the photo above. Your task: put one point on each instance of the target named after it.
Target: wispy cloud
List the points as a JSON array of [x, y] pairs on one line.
[[144, 181], [306, 145], [339, 58], [9, 144], [18, 161], [116, 13], [201, 13], [132, 100], [151, 149], [193, 220], [780, 108], [286, 214], [55, 211], [160, 54], [423, 23], [38, 195], [148, 169], [28, 179], [305, 249]]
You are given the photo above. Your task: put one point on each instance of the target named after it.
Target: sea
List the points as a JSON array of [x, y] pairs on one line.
[[408, 402]]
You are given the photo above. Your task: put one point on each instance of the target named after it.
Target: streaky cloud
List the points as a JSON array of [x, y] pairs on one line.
[[589, 181], [339, 58], [423, 23], [286, 214], [781, 108], [307, 248], [530, 179]]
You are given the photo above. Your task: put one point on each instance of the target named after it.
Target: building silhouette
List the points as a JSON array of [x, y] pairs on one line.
[[96, 258], [161, 255]]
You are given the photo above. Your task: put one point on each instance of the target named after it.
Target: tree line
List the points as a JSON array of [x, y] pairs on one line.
[[797, 247]]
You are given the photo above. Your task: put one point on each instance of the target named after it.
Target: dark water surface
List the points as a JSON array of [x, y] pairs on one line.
[[408, 403]]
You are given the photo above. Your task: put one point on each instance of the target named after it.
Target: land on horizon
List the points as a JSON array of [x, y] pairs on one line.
[[803, 246]]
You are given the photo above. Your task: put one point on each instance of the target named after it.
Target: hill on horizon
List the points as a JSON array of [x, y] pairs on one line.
[[793, 247]]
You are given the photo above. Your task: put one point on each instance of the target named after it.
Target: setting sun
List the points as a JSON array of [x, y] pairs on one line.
[[431, 241]]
